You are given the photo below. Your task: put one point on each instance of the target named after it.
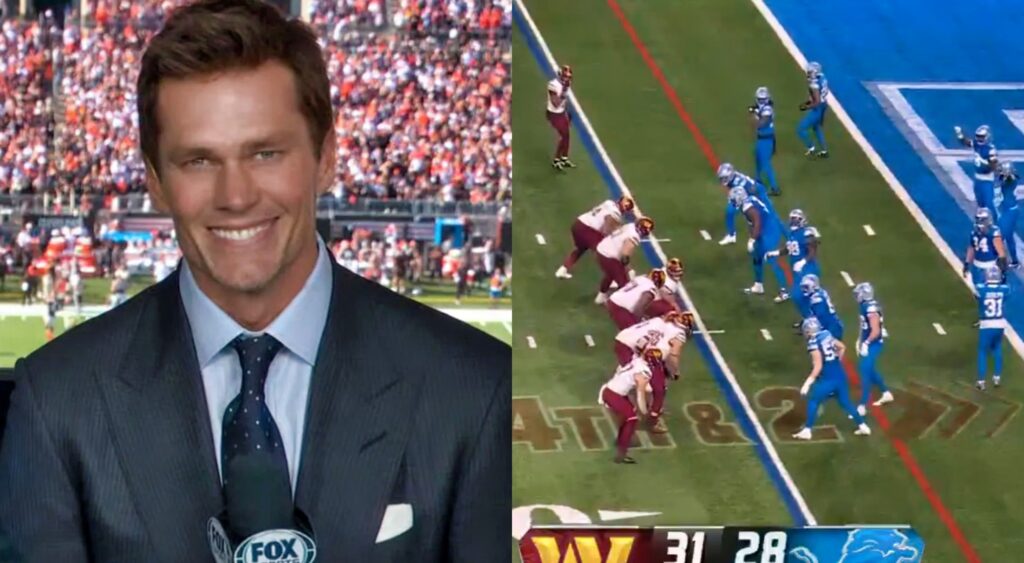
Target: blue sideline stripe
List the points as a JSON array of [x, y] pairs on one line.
[[716, 370]]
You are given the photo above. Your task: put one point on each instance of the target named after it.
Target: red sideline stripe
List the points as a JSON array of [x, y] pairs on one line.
[[899, 445]]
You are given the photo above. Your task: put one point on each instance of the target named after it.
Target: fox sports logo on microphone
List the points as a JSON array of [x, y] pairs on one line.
[[276, 546]]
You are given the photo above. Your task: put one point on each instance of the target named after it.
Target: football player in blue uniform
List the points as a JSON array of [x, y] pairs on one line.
[[986, 249], [826, 379], [765, 237], [992, 296], [802, 249], [869, 346], [816, 106], [1006, 202], [763, 118], [731, 178], [820, 303], [985, 162]]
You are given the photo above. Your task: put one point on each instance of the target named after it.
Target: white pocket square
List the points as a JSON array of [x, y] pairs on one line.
[[397, 521]]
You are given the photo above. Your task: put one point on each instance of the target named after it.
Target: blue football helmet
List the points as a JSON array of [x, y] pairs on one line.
[[809, 284], [982, 134], [983, 219], [725, 173], [762, 95], [1005, 170], [863, 292], [797, 219], [993, 276], [810, 327]]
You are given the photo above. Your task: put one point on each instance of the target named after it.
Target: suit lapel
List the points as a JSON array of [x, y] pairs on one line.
[[356, 423], [161, 429]]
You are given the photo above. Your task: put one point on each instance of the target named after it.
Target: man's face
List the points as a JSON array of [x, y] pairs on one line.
[[239, 175]]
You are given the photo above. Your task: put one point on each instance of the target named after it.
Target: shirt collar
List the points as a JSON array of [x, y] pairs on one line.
[[298, 327]]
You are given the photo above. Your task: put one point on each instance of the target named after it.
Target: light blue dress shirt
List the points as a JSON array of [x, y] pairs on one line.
[[299, 328]]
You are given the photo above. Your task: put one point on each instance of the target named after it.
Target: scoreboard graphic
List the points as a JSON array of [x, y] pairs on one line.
[[725, 544]]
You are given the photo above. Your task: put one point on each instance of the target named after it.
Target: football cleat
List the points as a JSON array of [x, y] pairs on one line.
[[625, 459], [980, 385], [885, 398], [756, 289], [822, 154], [566, 163], [809, 152], [657, 426], [782, 297], [563, 273], [995, 380], [803, 434], [862, 430], [601, 298], [556, 164], [728, 239]]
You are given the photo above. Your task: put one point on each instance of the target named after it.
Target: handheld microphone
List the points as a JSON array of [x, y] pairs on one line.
[[260, 523]]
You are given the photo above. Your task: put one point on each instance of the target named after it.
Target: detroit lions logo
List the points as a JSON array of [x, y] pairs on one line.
[[866, 546], [881, 546]]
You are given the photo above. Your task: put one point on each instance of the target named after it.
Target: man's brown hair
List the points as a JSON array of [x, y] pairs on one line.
[[211, 36]]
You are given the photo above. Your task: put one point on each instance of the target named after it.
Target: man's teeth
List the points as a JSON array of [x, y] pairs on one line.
[[240, 234]]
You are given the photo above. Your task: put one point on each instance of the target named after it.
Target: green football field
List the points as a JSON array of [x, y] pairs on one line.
[[946, 458]]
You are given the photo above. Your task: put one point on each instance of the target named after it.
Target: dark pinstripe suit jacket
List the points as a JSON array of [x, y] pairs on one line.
[[108, 455]]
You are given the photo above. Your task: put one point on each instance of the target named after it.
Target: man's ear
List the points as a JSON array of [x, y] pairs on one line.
[[156, 188], [327, 171]]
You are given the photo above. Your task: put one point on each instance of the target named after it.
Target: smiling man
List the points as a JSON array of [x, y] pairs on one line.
[[260, 383]]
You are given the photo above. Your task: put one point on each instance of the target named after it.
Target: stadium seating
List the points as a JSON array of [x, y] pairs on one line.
[[422, 97]]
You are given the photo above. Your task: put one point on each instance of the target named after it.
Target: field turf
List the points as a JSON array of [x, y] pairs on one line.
[[964, 446]]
